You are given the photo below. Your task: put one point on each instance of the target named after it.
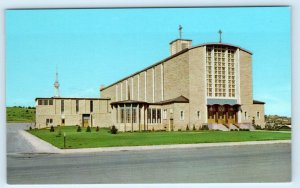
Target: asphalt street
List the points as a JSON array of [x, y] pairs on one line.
[[250, 163]]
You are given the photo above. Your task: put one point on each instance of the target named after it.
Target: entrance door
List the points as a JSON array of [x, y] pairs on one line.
[[86, 119], [231, 116], [62, 122], [171, 126]]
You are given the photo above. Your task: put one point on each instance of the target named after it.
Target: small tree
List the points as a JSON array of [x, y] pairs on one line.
[[88, 129], [78, 128], [97, 129], [194, 128], [51, 128], [113, 130], [187, 127], [30, 128]]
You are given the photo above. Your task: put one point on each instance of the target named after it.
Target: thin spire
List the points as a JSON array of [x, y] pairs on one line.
[[220, 37], [180, 31], [56, 84]]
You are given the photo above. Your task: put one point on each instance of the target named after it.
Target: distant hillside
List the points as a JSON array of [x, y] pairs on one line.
[[281, 120], [20, 114]]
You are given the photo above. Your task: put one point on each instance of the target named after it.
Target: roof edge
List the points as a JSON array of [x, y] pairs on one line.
[[146, 68], [79, 98], [216, 43]]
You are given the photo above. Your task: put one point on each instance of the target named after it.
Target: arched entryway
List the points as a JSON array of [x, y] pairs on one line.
[[223, 114]]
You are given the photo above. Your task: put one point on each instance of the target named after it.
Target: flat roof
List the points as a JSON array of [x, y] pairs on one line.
[[179, 39], [75, 98], [174, 55]]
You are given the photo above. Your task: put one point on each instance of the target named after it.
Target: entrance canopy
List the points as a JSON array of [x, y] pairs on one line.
[[222, 101]]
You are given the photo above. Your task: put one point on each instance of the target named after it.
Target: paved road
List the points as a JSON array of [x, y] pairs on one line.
[[258, 163], [15, 141]]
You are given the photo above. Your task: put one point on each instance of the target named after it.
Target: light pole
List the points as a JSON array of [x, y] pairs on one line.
[[64, 140]]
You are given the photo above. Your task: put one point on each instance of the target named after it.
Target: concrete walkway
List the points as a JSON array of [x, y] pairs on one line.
[[39, 145]]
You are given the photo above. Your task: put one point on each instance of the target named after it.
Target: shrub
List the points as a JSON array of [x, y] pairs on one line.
[[187, 127], [194, 128], [244, 130], [204, 127], [30, 128], [179, 129], [152, 129], [51, 128], [88, 129], [97, 129], [78, 129], [113, 130]]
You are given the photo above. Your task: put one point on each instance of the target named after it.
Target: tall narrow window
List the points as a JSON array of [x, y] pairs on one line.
[[153, 115], [50, 102], [149, 115], [165, 114], [181, 115], [209, 71], [198, 115], [133, 115], [128, 115], [257, 115], [158, 115], [40, 102], [91, 106], [77, 106], [122, 115], [231, 75], [62, 106], [245, 115]]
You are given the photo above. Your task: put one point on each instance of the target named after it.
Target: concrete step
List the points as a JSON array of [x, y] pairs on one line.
[[217, 126]]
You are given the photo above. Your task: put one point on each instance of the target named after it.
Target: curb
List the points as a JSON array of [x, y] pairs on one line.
[[173, 146]]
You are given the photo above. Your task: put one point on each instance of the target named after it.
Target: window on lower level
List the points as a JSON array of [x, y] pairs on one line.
[[165, 114], [198, 115], [181, 115]]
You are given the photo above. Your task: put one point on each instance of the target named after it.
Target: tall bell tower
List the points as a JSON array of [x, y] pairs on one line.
[[56, 85]]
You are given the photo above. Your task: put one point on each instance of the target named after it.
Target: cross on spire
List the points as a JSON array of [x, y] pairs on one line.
[[220, 37], [180, 31]]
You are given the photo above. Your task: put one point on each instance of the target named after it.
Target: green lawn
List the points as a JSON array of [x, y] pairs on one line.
[[20, 114], [104, 139]]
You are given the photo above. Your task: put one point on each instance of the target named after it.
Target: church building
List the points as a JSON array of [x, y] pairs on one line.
[[205, 84]]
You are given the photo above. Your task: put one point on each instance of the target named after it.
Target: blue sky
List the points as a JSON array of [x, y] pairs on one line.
[[100, 46]]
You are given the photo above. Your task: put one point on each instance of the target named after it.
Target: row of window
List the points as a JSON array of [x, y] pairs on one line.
[[154, 115], [62, 104], [45, 102], [246, 115], [128, 114]]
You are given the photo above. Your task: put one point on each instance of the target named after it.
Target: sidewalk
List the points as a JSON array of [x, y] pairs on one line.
[[42, 146]]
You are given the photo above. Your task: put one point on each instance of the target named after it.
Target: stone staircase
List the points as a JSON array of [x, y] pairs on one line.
[[216, 126], [225, 127], [233, 127]]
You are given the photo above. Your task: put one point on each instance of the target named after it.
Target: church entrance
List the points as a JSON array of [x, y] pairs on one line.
[[85, 120], [222, 114]]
